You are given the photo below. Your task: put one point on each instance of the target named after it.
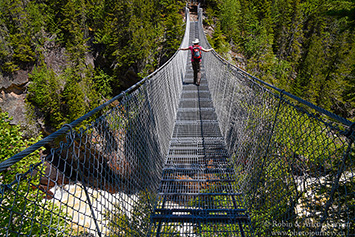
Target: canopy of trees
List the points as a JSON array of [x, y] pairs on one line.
[[108, 45], [306, 47], [303, 46]]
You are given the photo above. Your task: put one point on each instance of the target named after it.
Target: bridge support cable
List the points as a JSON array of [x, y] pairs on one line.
[[102, 179], [197, 195], [294, 161]]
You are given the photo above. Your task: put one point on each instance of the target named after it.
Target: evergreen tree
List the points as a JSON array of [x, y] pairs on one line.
[[218, 41], [73, 97], [349, 88], [288, 29], [230, 18], [45, 93], [74, 28], [16, 34], [173, 26], [304, 47]]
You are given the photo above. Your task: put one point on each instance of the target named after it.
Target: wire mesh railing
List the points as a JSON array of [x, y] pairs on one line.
[[102, 180], [294, 161]]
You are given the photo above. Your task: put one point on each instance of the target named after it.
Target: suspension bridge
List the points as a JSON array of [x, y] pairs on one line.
[[234, 156]]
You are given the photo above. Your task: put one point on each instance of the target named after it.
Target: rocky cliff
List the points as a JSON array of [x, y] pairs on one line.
[[13, 87], [12, 95]]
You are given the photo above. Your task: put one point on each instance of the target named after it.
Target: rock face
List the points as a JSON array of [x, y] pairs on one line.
[[12, 95], [13, 87], [54, 56]]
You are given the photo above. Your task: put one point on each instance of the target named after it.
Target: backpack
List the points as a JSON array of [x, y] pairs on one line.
[[196, 53]]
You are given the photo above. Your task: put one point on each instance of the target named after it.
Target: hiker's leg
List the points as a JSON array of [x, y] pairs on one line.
[[194, 67], [198, 69]]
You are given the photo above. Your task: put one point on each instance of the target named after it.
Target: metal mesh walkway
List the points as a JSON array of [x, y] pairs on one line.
[[197, 193]]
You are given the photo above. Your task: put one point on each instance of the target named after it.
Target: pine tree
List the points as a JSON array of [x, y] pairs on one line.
[[73, 98], [288, 30], [16, 34], [45, 93], [230, 18], [173, 27]]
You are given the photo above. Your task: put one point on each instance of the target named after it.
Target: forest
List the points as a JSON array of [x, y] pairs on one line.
[[77, 54], [80, 53], [305, 47]]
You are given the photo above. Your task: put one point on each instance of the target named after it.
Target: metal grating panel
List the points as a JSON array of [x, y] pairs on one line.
[[192, 103], [189, 86], [206, 114], [196, 95], [197, 129]]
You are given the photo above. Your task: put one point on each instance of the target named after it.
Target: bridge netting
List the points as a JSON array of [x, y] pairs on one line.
[[292, 161]]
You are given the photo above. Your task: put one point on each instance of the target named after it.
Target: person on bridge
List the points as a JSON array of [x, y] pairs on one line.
[[196, 57]]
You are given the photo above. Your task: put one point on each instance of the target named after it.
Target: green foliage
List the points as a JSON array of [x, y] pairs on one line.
[[124, 36], [307, 138], [218, 41], [137, 222], [59, 103], [137, 35], [208, 20], [280, 73], [20, 28], [349, 92], [288, 30], [73, 97], [103, 83], [21, 201], [141, 38], [230, 16], [212, 3], [305, 47], [173, 25], [73, 26], [45, 93], [12, 142]]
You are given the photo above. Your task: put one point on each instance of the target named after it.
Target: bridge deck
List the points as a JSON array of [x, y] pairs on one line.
[[197, 193]]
